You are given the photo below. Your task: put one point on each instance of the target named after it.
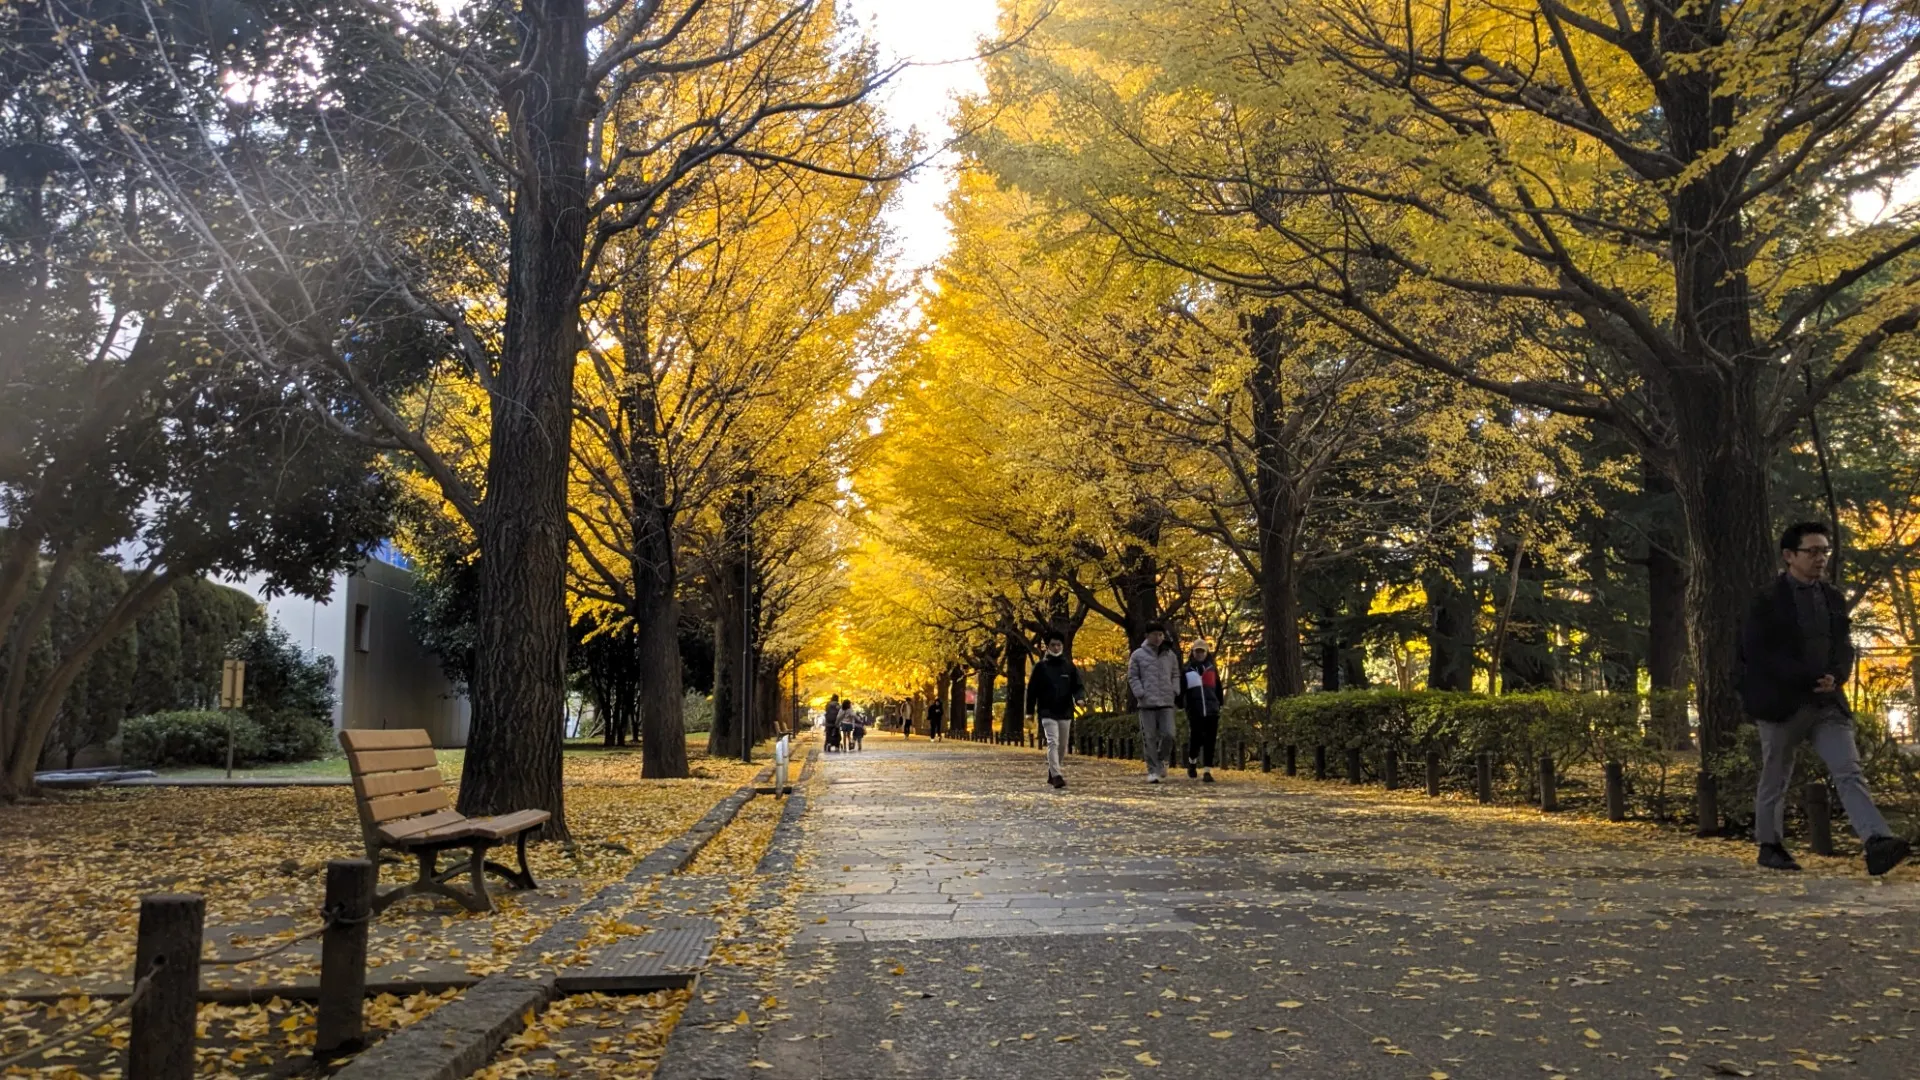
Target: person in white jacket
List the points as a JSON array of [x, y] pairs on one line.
[[1153, 674]]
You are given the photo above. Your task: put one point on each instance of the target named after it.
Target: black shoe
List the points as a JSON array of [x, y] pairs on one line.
[[1207, 776], [1886, 852], [1191, 771], [1775, 857], [1057, 780]]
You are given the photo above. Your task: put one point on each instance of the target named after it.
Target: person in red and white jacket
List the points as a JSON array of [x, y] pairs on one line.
[[1201, 697]]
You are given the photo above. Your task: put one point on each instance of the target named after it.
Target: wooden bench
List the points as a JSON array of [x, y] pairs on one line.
[[404, 807]]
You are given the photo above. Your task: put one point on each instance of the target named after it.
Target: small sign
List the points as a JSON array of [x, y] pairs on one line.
[[233, 683]]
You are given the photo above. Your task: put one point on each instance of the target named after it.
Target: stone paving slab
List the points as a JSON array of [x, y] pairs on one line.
[[956, 919]]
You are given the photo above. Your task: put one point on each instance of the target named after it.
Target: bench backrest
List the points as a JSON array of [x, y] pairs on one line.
[[396, 779]]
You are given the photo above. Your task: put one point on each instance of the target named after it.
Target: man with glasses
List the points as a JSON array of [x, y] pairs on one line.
[[1795, 652]]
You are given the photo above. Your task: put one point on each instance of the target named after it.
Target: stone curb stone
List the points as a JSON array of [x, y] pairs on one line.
[[462, 1036]]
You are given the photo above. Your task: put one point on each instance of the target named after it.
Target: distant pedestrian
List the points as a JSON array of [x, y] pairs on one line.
[[1201, 694], [1796, 649], [1153, 674], [934, 715], [1053, 690], [833, 723], [859, 731], [846, 725]]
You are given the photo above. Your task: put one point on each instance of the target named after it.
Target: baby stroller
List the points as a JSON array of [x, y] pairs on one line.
[[833, 737]]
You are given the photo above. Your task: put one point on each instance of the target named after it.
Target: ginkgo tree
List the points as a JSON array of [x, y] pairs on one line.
[[1643, 215]]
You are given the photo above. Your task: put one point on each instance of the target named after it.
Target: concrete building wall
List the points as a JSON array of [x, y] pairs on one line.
[[388, 679], [383, 676]]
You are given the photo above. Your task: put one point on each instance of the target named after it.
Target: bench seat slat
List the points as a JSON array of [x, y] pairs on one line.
[[503, 826], [379, 761], [404, 832], [398, 783], [377, 739], [386, 809]]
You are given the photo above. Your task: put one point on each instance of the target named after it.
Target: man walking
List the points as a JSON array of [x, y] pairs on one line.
[[1053, 690], [833, 723], [1201, 692], [1153, 674], [934, 715], [1795, 653]]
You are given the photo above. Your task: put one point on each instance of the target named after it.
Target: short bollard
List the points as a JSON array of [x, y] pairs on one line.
[[168, 957], [1266, 758], [1433, 774], [1353, 765], [1293, 760], [1707, 806], [1483, 776], [1616, 791], [1549, 795], [340, 1026], [1819, 817], [1319, 763], [1391, 771]]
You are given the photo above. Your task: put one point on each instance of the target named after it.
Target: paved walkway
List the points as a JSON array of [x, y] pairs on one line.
[[959, 919]]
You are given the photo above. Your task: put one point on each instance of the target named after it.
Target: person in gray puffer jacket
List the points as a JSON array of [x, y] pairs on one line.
[[1153, 674]]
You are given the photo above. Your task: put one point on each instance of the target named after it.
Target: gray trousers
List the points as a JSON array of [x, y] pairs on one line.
[[1156, 738], [1831, 733], [1058, 732]]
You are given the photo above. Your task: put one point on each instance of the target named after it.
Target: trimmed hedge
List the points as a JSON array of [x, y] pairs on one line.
[[1577, 730], [190, 737]]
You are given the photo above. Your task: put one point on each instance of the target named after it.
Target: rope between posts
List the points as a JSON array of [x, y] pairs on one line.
[[81, 1026], [330, 917]]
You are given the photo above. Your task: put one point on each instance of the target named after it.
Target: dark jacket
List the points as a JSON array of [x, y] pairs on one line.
[[1776, 679], [1053, 688], [1200, 693]]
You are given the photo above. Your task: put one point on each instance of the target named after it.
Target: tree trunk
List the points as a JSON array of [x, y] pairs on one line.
[[1450, 623], [519, 679], [1329, 662], [957, 701], [1666, 622], [983, 679], [1014, 719], [1725, 494], [663, 728], [1139, 579], [729, 673], [1276, 511]]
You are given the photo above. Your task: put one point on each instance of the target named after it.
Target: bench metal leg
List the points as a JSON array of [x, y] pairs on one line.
[[521, 878], [432, 881]]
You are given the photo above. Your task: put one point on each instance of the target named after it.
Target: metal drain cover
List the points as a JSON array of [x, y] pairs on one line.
[[665, 959]]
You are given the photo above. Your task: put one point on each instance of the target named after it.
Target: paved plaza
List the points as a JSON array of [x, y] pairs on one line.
[[956, 918]]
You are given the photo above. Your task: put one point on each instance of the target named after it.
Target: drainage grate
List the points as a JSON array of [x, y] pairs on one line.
[[668, 958]]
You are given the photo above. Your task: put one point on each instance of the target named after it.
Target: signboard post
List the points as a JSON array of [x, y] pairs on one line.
[[233, 694]]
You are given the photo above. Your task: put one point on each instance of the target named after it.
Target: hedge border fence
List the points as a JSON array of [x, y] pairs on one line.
[[1552, 749]]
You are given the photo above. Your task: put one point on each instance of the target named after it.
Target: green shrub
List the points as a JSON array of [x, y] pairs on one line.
[[291, 735], [189, 738]]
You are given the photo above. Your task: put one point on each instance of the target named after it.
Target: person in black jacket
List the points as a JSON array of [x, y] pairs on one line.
[[1796, 650], [1052, 691], [935, 717], [1201, 696]]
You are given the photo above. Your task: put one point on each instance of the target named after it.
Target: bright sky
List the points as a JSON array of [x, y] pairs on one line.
[[940, 34]]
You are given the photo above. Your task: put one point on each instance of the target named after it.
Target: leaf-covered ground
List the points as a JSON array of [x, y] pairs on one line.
[[77, 865]]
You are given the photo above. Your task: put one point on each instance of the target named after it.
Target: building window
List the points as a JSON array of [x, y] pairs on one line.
[[362, 628]]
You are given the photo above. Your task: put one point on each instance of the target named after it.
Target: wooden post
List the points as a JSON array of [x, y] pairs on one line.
[[1433, 774], [1353, 764], [1392, 770], [1293, 760], [1707, 805], [1483, 776], [1819, 817], [1616, 791], [340, 1026], [1549, 795], [161, 1046], [1266, 758], [1319, 763]]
